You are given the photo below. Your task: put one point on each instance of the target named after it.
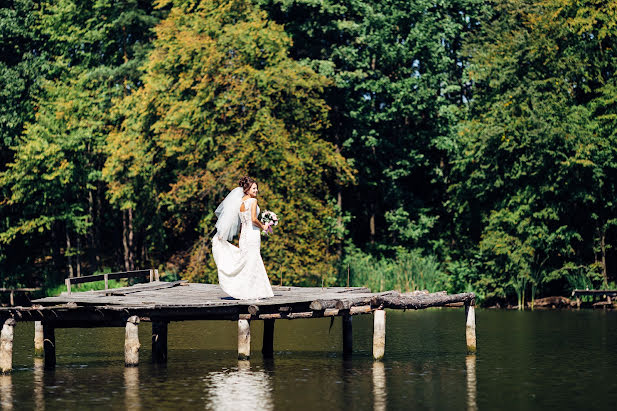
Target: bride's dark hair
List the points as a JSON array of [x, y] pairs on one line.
[[246, 182]]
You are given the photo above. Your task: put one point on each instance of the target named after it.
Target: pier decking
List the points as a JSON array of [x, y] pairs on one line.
[[161, 302]]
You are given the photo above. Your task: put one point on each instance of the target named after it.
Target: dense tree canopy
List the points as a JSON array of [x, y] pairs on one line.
[[468, 145]]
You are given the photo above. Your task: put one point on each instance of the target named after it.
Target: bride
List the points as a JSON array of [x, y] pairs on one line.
[[241, 270]]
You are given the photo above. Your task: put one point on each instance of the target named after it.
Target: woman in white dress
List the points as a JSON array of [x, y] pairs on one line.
[[241, 270]]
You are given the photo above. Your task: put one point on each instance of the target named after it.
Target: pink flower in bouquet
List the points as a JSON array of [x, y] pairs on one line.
[[269, 219]]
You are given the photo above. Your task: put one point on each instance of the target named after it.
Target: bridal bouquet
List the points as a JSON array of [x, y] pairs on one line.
[[269, 219]]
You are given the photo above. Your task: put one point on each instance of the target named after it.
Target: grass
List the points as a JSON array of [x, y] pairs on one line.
[[409, 271], [78, 288]]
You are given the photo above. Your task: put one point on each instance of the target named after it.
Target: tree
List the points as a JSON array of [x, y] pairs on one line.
[[221, 98], [532, 161]]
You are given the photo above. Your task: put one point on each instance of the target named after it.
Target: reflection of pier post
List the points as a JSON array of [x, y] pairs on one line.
[[131, 384], [39, 384], [470, 364], [379, 386], [6, 391]]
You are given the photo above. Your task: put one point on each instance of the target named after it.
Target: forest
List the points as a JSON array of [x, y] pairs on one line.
[[459, 145]]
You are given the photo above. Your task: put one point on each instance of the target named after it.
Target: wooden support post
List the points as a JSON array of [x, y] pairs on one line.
[[470, 326], [12, 298], [131, 342], [244, 339], [267, 349], [156, 275], [347, 335], [151, 275], [159, 341], [379, 334], [106, 279], [49, 346], [6, 346], [67, 282], [38, 338]]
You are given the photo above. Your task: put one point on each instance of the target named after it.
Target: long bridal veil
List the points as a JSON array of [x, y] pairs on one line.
[[228, 222]]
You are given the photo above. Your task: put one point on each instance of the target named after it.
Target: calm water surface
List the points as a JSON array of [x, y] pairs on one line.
[[525, 360]]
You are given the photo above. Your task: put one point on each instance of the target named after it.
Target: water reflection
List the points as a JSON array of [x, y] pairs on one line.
[[131, 385], [240, 388], [470, 364], [39, 384], [6, 391], [379, 386]]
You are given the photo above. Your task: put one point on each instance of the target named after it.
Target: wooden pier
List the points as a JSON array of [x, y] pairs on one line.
[[161, 302]]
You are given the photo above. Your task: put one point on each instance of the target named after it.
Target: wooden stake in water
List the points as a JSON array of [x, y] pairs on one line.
[[244, 339], [131, 342], [267, 349], [379, 334], [49, 346], [6, 346], [38, 338], [347, 335], [470, 326], [159, 341]]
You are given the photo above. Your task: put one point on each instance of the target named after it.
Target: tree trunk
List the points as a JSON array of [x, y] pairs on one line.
[[68, 254], [93, 254], [603, 250], [77, 259], [125, 243], [55, 248], [131, 242]]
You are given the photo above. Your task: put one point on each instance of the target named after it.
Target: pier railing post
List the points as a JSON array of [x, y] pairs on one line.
[[49, 346], [244, 339], [267, 349], [159, 341], [379, 334], [470, 326], [38, 339], [131, 342], [6, 346], [347, 334]]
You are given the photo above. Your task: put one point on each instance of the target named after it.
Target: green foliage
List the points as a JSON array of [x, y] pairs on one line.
[[465, 145]]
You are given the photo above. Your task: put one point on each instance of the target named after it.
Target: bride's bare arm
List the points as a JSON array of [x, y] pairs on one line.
[[254, 215]]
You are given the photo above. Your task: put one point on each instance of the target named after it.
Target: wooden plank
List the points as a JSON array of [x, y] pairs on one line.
[[578, 293]]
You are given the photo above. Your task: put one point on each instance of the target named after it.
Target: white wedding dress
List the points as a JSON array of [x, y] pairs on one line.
[[241, 270]]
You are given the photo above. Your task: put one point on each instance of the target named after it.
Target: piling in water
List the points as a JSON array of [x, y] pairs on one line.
[[6, 346], [347, 335], [131, 342], [38, 339], [470, 326], [379, 334], [159, 341], [244, 339], [267, 349]]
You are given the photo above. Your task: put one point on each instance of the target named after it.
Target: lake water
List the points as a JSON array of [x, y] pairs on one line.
[[525, 360]]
